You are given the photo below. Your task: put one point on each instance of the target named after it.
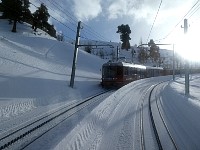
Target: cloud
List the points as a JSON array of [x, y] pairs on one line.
[[147, 9], [86, 10], [117, 9], [143, 9]]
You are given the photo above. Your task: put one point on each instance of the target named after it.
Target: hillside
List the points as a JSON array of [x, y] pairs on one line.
[[35, 72]]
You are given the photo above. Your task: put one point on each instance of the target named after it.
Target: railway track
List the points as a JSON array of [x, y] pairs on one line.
[[151, 119], [26, 134]]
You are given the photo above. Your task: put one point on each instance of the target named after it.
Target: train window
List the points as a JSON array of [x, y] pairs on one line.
[[131, 71], [138, 71], [119, 70], [134, 71], [109, 71], [125, 71]]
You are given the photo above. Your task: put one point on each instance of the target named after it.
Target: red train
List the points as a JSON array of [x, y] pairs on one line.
[[118, 74]]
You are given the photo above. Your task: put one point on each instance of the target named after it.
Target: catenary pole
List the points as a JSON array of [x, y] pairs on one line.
[[75, 55], [117, 53], [187, 82], [173, 64]]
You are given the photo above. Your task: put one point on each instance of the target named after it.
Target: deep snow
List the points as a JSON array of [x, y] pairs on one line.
[[35, 72], [34, 78]]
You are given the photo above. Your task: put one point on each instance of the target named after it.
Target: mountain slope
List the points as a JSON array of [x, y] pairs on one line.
[[35, 71]]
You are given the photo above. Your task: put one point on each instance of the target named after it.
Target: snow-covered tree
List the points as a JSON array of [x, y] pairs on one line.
[[124, 31], [16, 11], [40, 17], [154, 53], [143, 55]]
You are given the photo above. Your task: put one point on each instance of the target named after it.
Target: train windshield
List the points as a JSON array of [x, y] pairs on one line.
[[111, 71]]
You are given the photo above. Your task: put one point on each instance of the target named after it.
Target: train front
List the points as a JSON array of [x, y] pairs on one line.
[[112, 75]]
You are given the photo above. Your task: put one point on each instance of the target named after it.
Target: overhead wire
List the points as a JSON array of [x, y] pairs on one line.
[[196, 9], [63, 12], [31, 18], [91, 30], [59, 22], [189, 11], [86, 28], [87, 33], [96, 41], [154, 20], [70, 18]]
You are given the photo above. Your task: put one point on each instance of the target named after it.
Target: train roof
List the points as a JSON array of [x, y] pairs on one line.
[[150, 67], [120, 63], [124, 64]]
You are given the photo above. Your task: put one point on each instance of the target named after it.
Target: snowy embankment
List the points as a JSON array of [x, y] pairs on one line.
[[113, 125], [182, 112], [35, 71]]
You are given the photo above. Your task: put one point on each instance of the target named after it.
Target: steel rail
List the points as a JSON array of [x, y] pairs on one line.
[[163, 121], [166, 127], [141, 120], [152, 120]]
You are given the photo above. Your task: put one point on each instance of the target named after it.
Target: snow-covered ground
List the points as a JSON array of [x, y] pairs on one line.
[[34, 78], [35, 71]]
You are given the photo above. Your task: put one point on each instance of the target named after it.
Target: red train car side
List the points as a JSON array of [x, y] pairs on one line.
[[118, 74]]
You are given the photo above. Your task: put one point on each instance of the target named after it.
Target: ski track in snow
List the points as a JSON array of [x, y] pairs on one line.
[[16, 108]]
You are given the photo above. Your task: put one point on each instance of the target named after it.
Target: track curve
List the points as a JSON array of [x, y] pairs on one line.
[[152, 123]]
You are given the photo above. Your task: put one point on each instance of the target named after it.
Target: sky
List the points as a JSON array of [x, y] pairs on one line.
[[100, 18]]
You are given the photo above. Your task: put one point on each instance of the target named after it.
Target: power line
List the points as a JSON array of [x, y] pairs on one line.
[[154, 20], [31, 18], [88, 32], [59, 22], [197, 8], [103, 42], [91, 30], [180, 21], [63, 11], [86, 28], [70, 16], [57, 19]]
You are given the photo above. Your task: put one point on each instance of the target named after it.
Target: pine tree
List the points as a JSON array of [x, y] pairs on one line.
[[27, 16], [40, 20], [40, 17], [142, 56], [49, 29], [101, 54], [60, 36], [88, 49], [12, 9], [124, 31], [154, 53], [1, 8], [16, 11], [133, 53]]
